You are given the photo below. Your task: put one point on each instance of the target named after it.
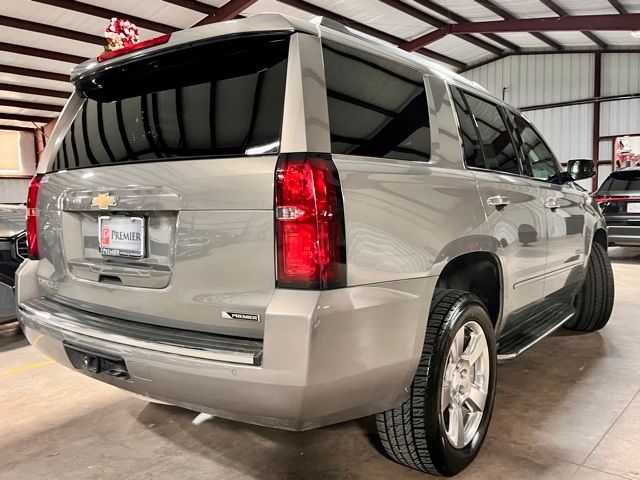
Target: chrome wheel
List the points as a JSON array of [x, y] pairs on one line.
[[465, 384]]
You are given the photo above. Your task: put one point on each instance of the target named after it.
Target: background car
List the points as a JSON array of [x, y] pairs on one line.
[[13, 250], [619, 200]]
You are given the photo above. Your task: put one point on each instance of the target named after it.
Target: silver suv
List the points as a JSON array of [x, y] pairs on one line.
[[288, 224]]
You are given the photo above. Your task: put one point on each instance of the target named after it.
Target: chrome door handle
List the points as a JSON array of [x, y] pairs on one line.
[[499, 201], [552, 204]]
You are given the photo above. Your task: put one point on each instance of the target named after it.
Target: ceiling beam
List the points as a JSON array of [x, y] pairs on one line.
[[108, 14], [501, 12], [315, 10], [31, 105], [571, 23], [38, 52], [24, 118], [618, 6], [546, 24], [436, 22], [16, 128], [30, 72], [445, 12], [45, 92], [51, 30], [228, 11], [193, 5], [555, 8]]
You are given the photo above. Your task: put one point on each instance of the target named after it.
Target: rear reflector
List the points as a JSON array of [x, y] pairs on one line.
[[310, 231], [32, 217], [136, 46]]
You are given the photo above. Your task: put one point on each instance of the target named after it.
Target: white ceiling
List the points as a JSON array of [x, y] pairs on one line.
[[373, 13]]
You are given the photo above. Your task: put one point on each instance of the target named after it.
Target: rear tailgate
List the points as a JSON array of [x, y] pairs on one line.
[[178, 153], [619, 201]]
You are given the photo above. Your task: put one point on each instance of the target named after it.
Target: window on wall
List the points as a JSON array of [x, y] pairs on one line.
[[497, 145], [472, 150], [540, 163], [177, 106], [377, 108]]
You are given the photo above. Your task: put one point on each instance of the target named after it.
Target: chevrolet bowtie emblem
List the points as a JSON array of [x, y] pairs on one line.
[[103, 201]]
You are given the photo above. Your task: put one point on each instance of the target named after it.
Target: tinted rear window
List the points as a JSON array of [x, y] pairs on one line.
[[622, 181], [220, 98]]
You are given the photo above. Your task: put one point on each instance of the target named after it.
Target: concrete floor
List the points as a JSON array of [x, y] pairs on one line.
[[567, 409]]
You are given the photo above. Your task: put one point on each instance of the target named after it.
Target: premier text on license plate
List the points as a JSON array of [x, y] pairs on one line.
[[120, 236]]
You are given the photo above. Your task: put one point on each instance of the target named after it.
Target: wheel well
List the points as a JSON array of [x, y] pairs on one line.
[[478, 273], [600, 237]]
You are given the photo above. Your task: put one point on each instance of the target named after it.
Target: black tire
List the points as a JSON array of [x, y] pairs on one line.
[[594, 302], [412, 434]]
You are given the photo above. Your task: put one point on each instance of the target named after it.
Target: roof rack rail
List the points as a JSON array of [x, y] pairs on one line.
[[331, 23]]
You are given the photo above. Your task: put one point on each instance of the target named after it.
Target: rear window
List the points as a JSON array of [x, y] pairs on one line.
[[219, 98], [622, 181]]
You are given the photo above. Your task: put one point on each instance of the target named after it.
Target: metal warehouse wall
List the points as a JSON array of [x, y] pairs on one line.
[[531, 80]]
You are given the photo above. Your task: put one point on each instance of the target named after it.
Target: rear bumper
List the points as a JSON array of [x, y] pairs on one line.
[[624, 235], [326, 356], [623, 229], [7, 303]]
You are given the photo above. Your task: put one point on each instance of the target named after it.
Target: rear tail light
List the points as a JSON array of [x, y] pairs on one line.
[[310, 232], [32, 217], [132, 48]]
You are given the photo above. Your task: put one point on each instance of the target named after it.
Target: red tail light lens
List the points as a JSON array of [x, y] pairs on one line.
[[132, 48], [310, 230], [32, 217]]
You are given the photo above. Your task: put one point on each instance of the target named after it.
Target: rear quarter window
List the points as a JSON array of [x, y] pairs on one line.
[[377, 108], [220, 98]]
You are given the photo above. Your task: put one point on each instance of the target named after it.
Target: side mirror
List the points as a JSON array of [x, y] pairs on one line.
[[581, 169]]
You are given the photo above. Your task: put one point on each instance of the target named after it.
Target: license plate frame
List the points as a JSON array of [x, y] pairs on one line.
[[127, 239], [633, 207]]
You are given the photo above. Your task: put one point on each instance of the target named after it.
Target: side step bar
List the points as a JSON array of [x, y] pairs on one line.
[[516, 341]]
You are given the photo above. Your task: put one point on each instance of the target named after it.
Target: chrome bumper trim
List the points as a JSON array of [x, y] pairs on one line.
[[45, 313]]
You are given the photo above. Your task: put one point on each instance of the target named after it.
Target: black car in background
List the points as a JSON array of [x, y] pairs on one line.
[[13, 250], [619, 200]]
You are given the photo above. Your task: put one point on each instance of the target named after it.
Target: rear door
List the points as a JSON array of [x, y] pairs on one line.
[[515, 214], [619, 200], [564, 209], [173, 156]]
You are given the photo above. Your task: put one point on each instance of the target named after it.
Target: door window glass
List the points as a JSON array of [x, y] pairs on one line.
[[540, 163], [497, 145], [472, 151]]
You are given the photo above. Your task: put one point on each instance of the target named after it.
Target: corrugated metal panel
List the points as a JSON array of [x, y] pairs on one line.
[[13, 190], [566, 129], [620, 73], [606, 150], [620, 118], [537, 79], [592, 7], [632, 6]]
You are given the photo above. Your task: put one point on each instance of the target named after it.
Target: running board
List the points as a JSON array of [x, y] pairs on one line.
[[516, 341]]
